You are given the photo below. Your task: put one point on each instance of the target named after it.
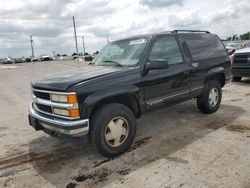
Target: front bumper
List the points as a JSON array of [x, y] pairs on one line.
[[241, 71], [74, 128]]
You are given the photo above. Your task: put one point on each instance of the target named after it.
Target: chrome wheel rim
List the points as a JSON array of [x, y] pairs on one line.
[[213, 97], [116, 131]]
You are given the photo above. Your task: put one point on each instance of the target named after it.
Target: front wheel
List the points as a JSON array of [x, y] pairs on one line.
[[112, 129], [209, 102]]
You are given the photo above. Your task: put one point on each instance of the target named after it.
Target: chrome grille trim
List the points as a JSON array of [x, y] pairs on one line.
[[52, 104], [53, 92], [54, 115]]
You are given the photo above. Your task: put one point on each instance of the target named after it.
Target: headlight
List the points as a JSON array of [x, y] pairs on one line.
[[64, 98], [67, 112], [72, 111], [60, 111]]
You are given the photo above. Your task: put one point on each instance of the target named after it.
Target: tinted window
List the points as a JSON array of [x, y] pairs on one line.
[[203, 46], [166, 47]]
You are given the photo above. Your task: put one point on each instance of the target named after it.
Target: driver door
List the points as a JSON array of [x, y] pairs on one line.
[[164, 85]]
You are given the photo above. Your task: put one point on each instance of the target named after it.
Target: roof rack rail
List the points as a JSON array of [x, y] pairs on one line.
[[191, 31]]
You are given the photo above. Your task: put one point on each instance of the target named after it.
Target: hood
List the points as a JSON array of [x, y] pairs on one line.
[[62, 81], [243, 50]]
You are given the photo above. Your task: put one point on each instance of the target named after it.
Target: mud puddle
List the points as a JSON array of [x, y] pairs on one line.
[[24, 158], [238, 128], [96, 177], [137, 144]]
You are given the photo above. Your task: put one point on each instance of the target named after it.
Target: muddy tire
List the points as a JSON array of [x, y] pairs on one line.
[[112, 129], [236, 79], [209, 101]]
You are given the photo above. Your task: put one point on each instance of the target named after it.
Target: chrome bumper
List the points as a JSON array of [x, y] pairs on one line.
[[73, 128]]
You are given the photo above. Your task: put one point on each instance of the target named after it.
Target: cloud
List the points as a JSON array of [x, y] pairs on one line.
[[233, 11], [50, 22], [46, 20], [161, 3], [186, 19]]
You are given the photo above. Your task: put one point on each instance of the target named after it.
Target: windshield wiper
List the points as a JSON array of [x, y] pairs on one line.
[[115, 62]]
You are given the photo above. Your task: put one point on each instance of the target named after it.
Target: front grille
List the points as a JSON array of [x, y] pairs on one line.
[[44, 108], [240, 59], [41, 95], [43, 103]]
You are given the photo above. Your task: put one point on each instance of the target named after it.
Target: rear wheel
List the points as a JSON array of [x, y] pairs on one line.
[[112, 129], [236, 78], [209, 101]]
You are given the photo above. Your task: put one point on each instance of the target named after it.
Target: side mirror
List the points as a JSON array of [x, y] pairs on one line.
[[231, 52], [156, 64]]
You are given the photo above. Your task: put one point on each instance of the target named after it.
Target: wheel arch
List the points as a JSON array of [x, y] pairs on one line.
[[218, 74], [131, 100]]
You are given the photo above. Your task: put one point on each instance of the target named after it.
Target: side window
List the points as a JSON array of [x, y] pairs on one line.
[[203, 46], [167, 48]]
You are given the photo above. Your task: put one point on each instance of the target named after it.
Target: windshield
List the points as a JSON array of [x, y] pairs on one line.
[[121, 53]]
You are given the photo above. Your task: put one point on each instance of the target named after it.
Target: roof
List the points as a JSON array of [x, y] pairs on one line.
[[163, 32]]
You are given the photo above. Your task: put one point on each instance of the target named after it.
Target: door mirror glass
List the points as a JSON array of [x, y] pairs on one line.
[[156, 64]]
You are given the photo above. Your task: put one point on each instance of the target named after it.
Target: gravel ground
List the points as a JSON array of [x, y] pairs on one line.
[[30, 158]]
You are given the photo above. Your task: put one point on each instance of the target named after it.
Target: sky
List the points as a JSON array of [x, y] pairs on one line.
[[50, 21]]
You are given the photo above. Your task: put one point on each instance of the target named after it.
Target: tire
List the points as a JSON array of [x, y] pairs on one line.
[[236, 79], [207, 103], [102, 132]]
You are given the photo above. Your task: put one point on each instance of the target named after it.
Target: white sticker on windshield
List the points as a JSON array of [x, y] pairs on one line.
[[138, 41]]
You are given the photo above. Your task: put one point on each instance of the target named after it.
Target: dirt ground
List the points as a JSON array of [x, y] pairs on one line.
[[166, 138]]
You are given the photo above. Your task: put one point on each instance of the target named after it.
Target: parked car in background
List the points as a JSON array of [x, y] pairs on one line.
[[1, 61], [241, 64], [232, 47], [64, 57], [8, 60], [31, 59], [129, 77], [45, 58], [18, 60], [246, 44], [88, 57]]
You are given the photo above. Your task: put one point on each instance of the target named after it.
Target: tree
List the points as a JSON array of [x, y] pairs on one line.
[[245, 36], [234, 37]]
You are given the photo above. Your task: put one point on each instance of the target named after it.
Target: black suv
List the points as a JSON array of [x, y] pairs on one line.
[[128, 78]]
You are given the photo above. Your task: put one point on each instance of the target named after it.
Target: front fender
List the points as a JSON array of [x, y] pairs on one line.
[[109, 93]]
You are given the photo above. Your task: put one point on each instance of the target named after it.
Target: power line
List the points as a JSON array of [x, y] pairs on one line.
[[31, 44], [107, 39], [74, 25], [83, 45]]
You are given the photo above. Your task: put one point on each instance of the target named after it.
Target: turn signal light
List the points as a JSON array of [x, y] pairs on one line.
[[72, 99], [74, 112]]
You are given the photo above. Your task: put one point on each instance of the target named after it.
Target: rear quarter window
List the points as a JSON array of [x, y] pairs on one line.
[[204, 46]]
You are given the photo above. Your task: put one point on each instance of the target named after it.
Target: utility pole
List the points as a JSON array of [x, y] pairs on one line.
[[75, 36], [83, 45], [107, 39], [31, 44]]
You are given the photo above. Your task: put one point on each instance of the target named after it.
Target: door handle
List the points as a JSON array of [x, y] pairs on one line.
[[186, 72]]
